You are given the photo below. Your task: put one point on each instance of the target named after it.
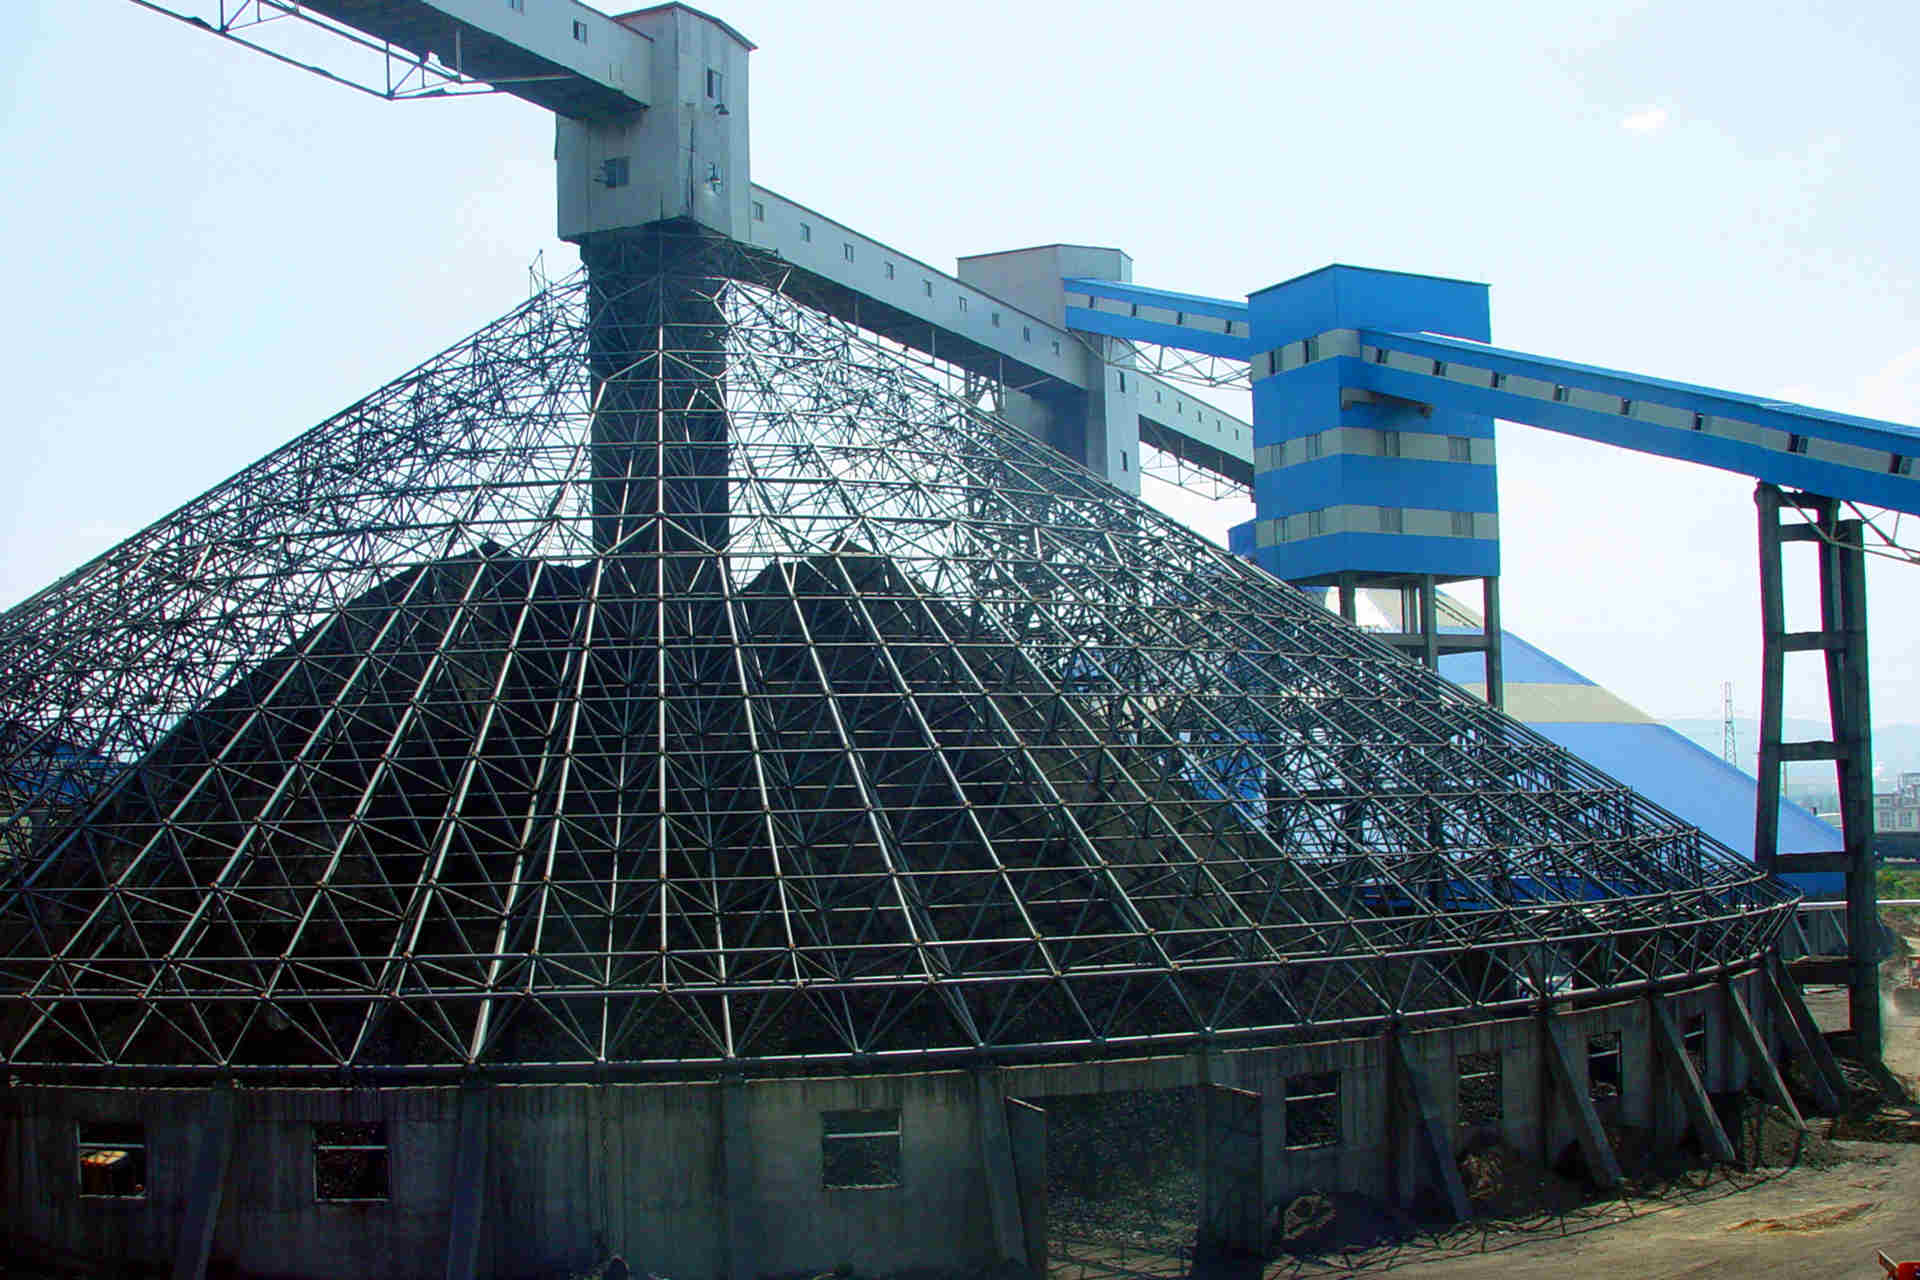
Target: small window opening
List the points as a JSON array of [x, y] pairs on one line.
[[614, 172], [1026, 333], [1699, 422], [1796, 444], [806, 233], [860, 1150], [1123, 459], [926, 287], [1313, 1105], [716, 84], [1391, 520], [518, 6], [996, 319], [1899, 465], [1459, 449], [1626, 407], [1693, 1042], [759, 211], [888, 270], [113, 1161], [846, 251], [350, 1163], [1316, 523], [963, 304], [1604, 1073], [1559, 394], [1498, 381], [1463, 524], [1389, 444], [580, 31], [1123, 380], [1480, 1092], [1439, 368], [1056, 346], [1379, 355]]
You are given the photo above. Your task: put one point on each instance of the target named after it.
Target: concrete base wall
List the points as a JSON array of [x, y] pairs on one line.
[[579, 1172], [576, 1173]]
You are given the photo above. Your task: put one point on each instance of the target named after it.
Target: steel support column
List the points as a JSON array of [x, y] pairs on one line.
[[1419, 635], [1842, 639]]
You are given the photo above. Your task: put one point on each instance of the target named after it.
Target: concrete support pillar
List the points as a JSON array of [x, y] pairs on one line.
[[1763, 1069], [1027, 1130], [469, 1198], [1101, 427], [1570, 1082], [1417, 1100], [1496, 667], [1678, 1069], [206, 1181], [741, 1224], [996, 1163], [1233, 1198], [1803, 1036], [657, 349]]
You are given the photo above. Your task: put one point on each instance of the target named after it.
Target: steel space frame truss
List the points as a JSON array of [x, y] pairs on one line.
[[752, 701], [281, 30], [1176, 364]]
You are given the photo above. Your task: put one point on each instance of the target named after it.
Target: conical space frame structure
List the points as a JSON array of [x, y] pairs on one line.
[[670, 678]]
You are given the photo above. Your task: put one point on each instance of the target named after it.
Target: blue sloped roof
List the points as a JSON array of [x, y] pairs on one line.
[[1520, 662], [1661, 764], [1678, 774]]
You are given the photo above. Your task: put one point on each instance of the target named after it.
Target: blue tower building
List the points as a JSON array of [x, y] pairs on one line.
[[1356, 488]]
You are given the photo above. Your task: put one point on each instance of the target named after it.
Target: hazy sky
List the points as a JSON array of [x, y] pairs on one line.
[[205, 252]]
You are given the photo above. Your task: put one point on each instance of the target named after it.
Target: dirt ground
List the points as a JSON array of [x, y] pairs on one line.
[[1820, 1219], [1803, 1224]]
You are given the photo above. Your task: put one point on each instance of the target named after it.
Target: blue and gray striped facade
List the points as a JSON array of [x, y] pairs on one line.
[[1353, 481]]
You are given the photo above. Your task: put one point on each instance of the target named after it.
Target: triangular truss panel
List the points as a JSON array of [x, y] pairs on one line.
[[669, 676]]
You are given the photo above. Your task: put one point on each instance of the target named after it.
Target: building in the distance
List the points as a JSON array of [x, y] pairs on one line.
[[1898, 809]]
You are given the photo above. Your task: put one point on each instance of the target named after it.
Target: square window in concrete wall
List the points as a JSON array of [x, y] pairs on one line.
[[1606, 1080], [112, 1160], [1479, 1088], [350, 1163], [1313, 1110], [1693, 1039], [860, 1150]]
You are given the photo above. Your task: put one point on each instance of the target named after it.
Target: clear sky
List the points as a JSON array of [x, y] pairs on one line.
[[205, 252]]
